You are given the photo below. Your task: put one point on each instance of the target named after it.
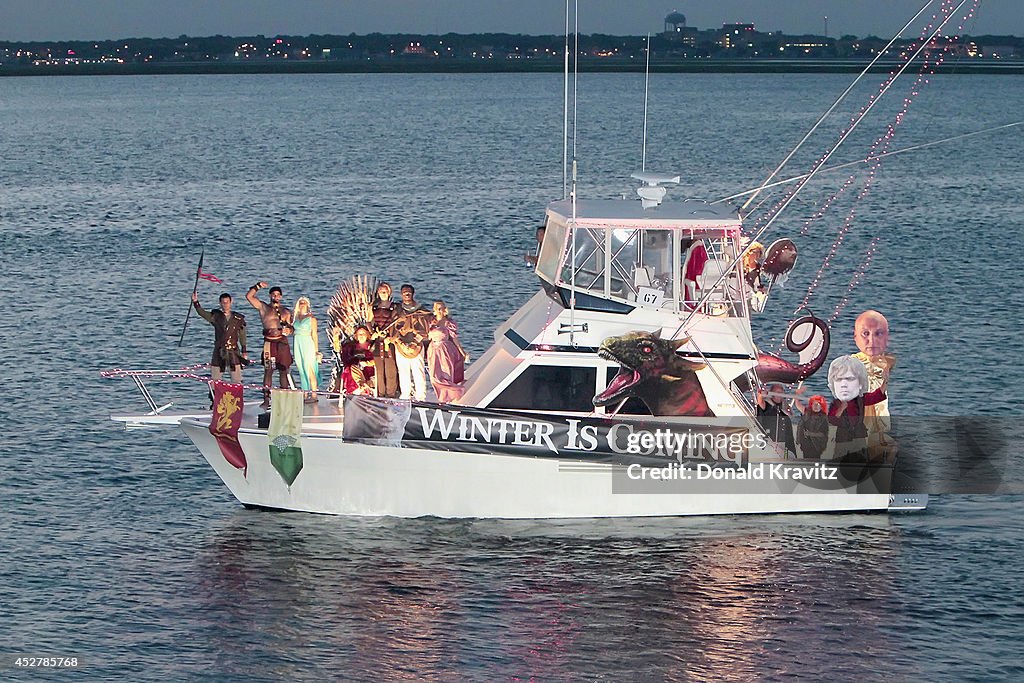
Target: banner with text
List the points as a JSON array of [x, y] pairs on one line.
[[619, 440]]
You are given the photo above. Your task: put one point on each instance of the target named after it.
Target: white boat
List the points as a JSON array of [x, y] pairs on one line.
[[620, 389], [615, 391]]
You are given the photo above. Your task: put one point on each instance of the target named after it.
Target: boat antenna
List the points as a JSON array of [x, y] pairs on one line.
[[572, 194], [835, 104], [818, 166], [576, 74], [565, 110], [868, 159], [647, 81]]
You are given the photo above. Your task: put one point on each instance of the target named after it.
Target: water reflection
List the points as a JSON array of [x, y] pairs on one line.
[[437, 599], [405, 610]]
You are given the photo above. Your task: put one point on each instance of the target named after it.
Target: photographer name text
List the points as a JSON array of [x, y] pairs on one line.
[[753, 471]]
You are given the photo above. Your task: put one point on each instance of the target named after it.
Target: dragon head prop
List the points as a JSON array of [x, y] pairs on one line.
[[651, 370]]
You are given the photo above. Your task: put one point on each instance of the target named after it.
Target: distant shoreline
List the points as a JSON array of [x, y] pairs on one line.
[[404, 66]]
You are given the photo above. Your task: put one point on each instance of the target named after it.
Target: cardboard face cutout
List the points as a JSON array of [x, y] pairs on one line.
[[871, 333], [780, 258], [847, 378], [847, 387]]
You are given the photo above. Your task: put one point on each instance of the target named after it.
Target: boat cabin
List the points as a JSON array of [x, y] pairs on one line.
[[615, 267], [618, 254]]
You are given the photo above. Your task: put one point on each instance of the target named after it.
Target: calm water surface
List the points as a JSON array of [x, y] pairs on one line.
[[125, 550]]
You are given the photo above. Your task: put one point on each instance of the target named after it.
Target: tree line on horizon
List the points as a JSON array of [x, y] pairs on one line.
[[703, 44]]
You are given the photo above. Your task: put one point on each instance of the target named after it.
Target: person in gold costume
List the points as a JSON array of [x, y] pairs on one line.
[[871, 334]]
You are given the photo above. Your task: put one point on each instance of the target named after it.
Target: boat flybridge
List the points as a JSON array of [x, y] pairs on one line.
[[617, 390], [611, 267]]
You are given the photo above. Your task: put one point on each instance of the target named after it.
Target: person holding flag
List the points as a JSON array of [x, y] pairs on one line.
[[228, 337]]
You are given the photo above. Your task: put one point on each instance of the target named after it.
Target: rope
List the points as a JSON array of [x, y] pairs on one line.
[[878, 150]]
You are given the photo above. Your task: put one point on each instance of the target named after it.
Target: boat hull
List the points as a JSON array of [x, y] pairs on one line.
[[357, 479]]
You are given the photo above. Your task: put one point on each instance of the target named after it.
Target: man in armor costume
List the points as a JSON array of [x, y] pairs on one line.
[[228, 338]]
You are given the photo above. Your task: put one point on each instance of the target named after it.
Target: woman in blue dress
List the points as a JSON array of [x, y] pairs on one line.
[[306, 349]]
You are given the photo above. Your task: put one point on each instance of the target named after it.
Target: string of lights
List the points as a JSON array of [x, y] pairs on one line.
[[879, 146]]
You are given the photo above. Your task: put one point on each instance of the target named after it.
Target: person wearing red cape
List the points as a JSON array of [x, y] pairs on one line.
[[357, 376]]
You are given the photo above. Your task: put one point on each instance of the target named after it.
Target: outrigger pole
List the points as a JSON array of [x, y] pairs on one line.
[[195, 288], [873, 157], [803, 182], [565, 111], [647, 82], [835, 104]]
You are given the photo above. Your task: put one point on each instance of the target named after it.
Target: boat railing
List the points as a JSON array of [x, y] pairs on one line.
[[644, 285], [137, 376]]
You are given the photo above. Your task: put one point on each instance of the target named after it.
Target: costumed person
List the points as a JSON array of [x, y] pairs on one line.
[[774, 417], [351, 308], [358, 363], [693, 267], [385, 313], [871, 334], [752, 262], [848, 382], [752, 256], [410, 331], [277, 322], [229, 349], [307, 348], [446, 358], [228, 338], [812, 432]]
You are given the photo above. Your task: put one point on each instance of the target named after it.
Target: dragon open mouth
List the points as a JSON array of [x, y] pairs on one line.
[[626, 378]]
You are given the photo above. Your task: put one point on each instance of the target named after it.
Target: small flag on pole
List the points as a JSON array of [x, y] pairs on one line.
[[195, 288], [210, 277]]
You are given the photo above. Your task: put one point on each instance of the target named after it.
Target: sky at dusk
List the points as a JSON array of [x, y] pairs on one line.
[[27, 20]]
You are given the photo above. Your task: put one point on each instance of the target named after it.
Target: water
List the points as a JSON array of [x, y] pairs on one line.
[[125, 550]]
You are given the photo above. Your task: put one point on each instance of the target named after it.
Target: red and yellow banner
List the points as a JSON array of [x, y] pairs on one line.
[[227, 418]]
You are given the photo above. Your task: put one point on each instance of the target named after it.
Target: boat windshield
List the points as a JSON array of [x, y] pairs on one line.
[[551, 250], [654, 267]]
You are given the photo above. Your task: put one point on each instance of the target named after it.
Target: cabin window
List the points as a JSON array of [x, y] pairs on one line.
[[589, 260], [625, 250], [550, 387], [656, 260]]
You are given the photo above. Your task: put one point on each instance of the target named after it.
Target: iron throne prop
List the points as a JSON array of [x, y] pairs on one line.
[[350, 307]]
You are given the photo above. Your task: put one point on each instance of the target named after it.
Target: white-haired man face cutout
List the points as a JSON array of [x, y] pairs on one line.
[[871, 333]]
